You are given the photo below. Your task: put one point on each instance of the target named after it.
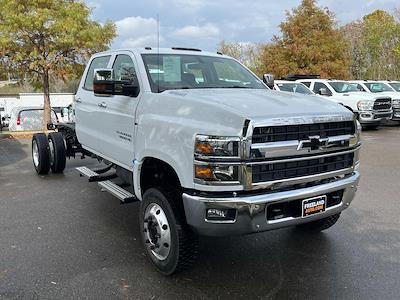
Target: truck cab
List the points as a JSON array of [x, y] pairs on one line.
[[371, 110], [207, 148]]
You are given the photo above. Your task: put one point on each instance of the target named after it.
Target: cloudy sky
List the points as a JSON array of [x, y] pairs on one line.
[[203, 23]]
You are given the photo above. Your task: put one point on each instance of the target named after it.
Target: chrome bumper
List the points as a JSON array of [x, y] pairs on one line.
[[251, 210], [374, 116]]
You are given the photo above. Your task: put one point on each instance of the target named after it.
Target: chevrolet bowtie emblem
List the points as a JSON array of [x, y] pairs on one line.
[[313, 143]]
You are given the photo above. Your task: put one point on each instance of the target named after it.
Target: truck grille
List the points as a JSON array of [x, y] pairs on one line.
[[384, 103], [270, 134], [293, 169]]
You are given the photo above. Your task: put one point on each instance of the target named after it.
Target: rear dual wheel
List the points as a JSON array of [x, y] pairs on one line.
[[48, 153]]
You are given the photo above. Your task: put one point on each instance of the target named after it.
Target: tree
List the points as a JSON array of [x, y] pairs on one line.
[[49, 38], [310, 44], [246, 53], [353, 33], [381, 41]]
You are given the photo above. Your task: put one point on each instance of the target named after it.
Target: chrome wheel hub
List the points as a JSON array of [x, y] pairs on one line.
[[157, 233], [35, 153]]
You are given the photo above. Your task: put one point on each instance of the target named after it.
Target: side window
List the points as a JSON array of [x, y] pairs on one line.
[[124, 69], [306, 83], [97, 63], [318, 86], [360, 88]]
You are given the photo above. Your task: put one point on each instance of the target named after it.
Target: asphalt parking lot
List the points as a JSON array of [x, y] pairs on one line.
[[62, 238]]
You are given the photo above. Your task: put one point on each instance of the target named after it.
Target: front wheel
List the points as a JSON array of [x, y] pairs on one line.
[[169, 243], [320, 225]]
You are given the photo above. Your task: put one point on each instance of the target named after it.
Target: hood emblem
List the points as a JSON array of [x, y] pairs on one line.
[[313, 143]]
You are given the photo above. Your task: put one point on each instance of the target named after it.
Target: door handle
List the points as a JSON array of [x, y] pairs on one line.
[[103, 104], [78, 100]]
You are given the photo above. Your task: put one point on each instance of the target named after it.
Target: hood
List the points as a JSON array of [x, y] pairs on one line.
[[393, 95], [260, 103], [356, 95]]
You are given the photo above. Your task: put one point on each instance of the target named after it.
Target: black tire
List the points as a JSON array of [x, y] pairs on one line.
[[320, 225], [183, 248], [41, 153], [58, 158]]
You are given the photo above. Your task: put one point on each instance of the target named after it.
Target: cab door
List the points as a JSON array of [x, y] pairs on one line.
[[116, 117], [86, 106]]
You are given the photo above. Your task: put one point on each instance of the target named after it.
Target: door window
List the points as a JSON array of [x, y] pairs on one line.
[[97, 63], [124, 69], [318, 86]]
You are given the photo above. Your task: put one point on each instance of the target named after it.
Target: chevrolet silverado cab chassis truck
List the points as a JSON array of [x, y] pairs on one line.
[[206, 147]]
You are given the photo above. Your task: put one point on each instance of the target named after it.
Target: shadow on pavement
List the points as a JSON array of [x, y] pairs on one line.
[[12, 151]]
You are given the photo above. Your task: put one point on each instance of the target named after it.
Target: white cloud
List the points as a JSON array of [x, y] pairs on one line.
[[205, 31], [137, 32]]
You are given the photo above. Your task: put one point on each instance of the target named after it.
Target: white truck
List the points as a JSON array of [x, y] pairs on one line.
[[371, 110], [381, 89], [206, 147]]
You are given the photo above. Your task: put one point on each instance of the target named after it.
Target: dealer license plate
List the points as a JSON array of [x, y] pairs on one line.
[[314, 206]]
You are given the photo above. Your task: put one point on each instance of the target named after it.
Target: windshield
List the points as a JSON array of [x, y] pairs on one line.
[[395, 85], [377, 87], [174, 71], [343, 87], [294, 88]]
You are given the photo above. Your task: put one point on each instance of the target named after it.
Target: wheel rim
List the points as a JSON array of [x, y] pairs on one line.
[[51, 146], [157, 232], [35, 153]]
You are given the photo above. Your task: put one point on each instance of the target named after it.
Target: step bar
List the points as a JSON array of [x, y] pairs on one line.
[[107, 185], [123, 195]]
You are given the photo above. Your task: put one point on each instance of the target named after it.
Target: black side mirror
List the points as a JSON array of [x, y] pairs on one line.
[[104, 83], [268, 79], [324, 92], [3, 118]]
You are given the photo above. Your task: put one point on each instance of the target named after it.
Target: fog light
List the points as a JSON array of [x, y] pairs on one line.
[[221, 214]]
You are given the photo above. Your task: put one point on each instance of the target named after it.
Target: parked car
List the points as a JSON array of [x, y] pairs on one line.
[[28, 118], [371, 110], [380, 88], [206, 148]]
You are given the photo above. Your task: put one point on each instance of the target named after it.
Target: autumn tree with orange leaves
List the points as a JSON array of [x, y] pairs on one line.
[[310, 43]]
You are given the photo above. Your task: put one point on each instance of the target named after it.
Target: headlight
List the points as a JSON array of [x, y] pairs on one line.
[[217, 159], [213, 146], [396, 103], [365, 105]]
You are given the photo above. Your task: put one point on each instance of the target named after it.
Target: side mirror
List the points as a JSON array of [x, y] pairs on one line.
[[323, 92], [3, 118], [268, 79], [103, 82]]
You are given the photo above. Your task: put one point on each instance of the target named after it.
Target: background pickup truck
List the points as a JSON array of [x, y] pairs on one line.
[[206, 147]]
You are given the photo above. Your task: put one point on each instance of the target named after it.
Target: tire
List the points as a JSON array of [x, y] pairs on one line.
[[57, 152], [168, 241], [41, 153], [320, 225]]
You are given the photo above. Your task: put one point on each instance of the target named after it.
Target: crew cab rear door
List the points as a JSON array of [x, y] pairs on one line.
[[116, 114]]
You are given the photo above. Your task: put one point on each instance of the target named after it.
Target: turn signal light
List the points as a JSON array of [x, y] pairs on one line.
[[204, 172]]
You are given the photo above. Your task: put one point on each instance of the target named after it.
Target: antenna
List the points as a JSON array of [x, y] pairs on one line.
[[158, 52]]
